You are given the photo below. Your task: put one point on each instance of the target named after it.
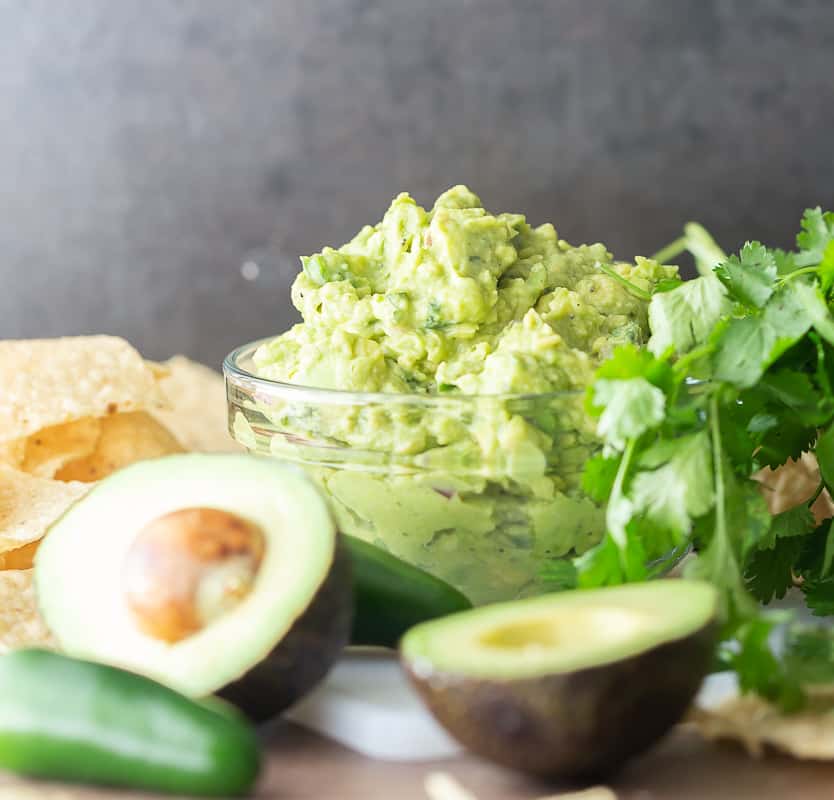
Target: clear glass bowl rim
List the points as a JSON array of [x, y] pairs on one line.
[[242, 378]]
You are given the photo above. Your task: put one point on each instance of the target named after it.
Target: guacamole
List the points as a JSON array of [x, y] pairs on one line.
[[481, 331]]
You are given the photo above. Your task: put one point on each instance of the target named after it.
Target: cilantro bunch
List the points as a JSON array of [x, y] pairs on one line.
[[738, 375]]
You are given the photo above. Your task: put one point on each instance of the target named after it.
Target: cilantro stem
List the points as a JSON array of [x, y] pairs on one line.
[[682, 364], [718, 469], [617, 491], [821, 370], [817, 492], [671, 250], [796, 273], [631, 287], [703, 247], [828, 556], [697, 241]]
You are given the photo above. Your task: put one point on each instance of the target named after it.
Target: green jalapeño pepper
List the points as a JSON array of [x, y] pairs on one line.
[[74, 720], [390, 595]]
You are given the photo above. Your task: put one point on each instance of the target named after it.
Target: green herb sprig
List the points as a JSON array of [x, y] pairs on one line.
[[737, 376]]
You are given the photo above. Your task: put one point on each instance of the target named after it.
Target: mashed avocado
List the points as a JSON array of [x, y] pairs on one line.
[[448, 311]]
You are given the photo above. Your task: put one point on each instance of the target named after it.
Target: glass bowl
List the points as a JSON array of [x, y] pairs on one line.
[[482, 491]]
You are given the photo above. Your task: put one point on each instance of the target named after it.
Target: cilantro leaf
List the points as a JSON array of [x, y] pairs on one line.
[[817, 553], [808, 653], [629, 409], [769, 571], [757, 667], [791, 387], [742, 425], [812, 300], [819, 595], [779, 415], [817, 232], [684, 317], [662, 545], [675, 483], [814, 568], [784, 261], [826, 267], [748, 516], [749, 276], [745, 347], [630, 361], [598, 477], [786, 440], [558, 575], [609, 565], [794, 523]]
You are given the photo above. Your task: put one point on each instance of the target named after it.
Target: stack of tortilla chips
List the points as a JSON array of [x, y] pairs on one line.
[[72, 411]]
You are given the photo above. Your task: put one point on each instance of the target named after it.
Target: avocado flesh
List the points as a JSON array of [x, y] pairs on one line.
[[567, 685], [281, 638]]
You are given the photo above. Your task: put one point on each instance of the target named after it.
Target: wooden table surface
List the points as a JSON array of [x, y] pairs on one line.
[[302, 766]]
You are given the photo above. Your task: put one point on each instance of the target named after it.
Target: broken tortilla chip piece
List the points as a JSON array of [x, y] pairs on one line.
[[20, 558], [758, 725], [21, 624], [792, 484], [29, 505], [196, 399], [49, 382], [123, 440], [444, 786], [45, 452]]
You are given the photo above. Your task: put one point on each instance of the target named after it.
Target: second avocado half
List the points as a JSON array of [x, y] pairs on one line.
[[570, 684]]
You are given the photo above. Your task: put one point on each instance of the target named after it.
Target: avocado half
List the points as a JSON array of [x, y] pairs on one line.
[[567, 685], [209, 573]]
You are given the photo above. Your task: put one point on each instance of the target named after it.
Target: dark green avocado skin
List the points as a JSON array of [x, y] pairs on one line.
[[581, 724], [306, 654]]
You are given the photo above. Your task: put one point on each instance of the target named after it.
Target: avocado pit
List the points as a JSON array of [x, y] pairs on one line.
[[187, 568]]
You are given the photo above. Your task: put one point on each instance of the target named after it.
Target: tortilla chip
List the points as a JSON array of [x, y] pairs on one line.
[[159, 369], [29, 505], [21, 624], [49, 382], [196, 397], [45, 452], [757, 725], [13, 453], [124, 439], [20, 558]]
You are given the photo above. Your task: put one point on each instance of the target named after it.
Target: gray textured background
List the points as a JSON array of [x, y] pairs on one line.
[[149, 148]]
